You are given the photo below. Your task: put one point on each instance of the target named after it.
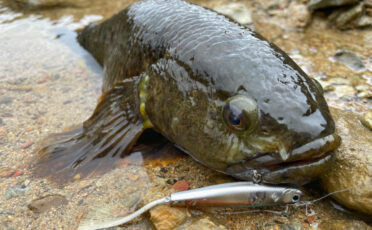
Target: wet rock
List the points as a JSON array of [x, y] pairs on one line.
[[6, 172], [164, 217], [343, 225], [16, 191], [321, 4], [344, 18], [364, 21], [352, 164], [367, 120], [45, 203], [6, 100], [42, 4], [204, 223], [181, 185], [350, 59], [237, 11], [298, 15]]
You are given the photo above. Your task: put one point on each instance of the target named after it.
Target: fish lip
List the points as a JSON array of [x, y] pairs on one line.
[[308, 153], [300, 168]]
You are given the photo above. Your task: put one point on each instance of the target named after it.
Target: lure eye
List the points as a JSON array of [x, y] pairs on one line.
[[295, 198], [240, 113], [318, 85]]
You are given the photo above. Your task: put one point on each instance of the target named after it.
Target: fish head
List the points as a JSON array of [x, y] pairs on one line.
[[266, 119]]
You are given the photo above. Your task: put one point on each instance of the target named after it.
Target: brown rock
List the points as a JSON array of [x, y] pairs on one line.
[[181, 185], [204, 223], [164, 217], [352, 164], [27, 144], [298, 15], [343, 225], [6, 172], [45, 203], [367, 120]]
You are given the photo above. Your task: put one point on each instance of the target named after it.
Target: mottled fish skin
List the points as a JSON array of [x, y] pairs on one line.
[[194, 62]]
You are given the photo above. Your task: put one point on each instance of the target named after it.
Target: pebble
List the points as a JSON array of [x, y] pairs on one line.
[[204, 223], [238, 11], [16, 191], [350, 59], [343, 225], [298, 15], [181, 185], [6, 172], [2, 131], [27, 144], [164, 217], [367, 120], [45, 203]]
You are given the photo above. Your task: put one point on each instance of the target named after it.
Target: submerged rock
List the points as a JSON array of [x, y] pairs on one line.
[[321, 4], [350, 59], [45, 203], [165, 217], [204, 223], [367, 120], [351, 167], [41, 4], [343, 225]]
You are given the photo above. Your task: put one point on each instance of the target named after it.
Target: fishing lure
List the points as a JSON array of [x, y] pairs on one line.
[[237, 194]]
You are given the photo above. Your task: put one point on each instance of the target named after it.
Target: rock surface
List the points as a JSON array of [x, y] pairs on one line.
[[45, 203], [344, 18], [321, 4], [165, 217], [237, 11], [352, 164]]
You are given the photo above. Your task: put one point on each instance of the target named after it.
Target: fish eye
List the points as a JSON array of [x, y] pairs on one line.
[[318, 85], [240, 113]]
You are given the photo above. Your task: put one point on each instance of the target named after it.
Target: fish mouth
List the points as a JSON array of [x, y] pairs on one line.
[[300, 166]]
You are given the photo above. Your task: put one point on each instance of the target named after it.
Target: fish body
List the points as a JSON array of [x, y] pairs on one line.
[[222, 93]]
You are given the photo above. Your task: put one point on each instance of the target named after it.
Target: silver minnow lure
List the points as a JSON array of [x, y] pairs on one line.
[[237, 194]]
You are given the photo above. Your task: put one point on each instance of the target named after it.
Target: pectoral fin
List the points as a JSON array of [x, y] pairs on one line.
[[107, 135]]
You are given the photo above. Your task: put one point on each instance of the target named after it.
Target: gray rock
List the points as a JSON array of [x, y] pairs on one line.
[[343, 225], [344, 18], [351, 167], [350, 59], [45, 203], [16, 191], [321, 4], [237, 11]]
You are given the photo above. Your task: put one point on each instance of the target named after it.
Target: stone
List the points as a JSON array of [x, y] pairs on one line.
[[237, 11], [351, 167], [298, 15], [367, 120], [204, 223], [350, 59], [165, 217], [321, 4], [16, 191], [45, 203], [344, 18], [343, 225], [364, 21]]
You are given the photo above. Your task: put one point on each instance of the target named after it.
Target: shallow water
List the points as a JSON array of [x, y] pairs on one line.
[[49, 83]]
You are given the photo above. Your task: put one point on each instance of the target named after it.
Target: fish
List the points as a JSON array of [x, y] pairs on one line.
[[220, 92], [232, 195]]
